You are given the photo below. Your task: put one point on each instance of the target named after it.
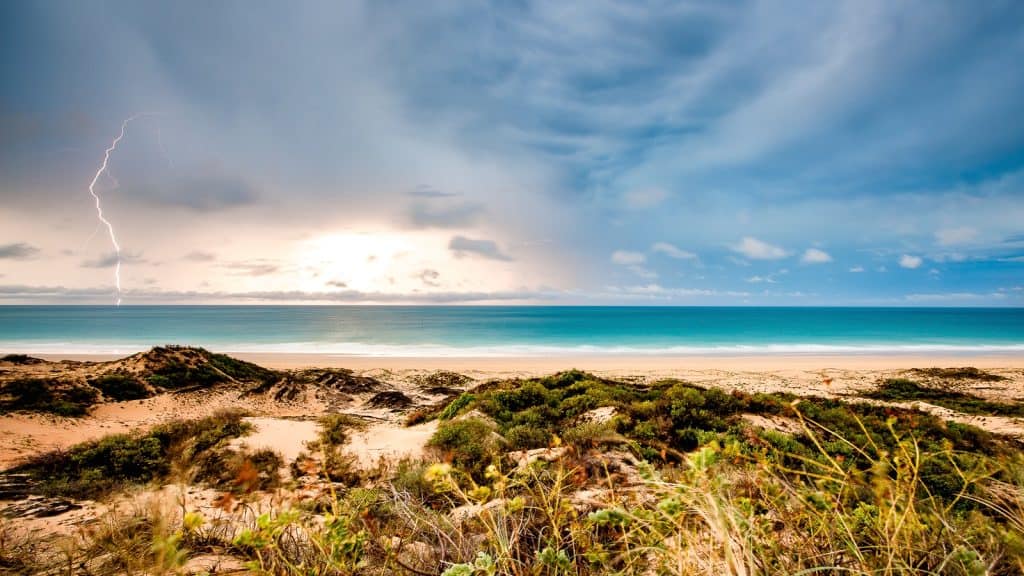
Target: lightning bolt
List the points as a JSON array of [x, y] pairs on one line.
[[99, 208]]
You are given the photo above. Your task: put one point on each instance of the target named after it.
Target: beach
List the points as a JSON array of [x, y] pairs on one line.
[[385, 415], [803, 375]]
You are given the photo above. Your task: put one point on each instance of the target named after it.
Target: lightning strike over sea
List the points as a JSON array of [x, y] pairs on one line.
[[99, 208]]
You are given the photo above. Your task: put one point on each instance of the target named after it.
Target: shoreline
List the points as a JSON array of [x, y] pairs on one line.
[[646, 363]]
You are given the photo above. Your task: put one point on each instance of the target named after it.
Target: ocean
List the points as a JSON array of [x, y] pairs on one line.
[[486, 331]]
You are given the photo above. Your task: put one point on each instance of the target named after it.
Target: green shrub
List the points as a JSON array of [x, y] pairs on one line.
[[469, 444], [43, 395], [175, 374], [20, 359], [121, 387], [95, 468], [692, 407], [526, 437], [242, 370], [526, 396], [903, 390], [965, 373], [456, 406]]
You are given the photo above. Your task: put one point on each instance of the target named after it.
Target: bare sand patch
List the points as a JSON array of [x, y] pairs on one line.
[[287, 437], [390, 441]]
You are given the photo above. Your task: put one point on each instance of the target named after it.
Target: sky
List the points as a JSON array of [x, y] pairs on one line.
[[596, 152]]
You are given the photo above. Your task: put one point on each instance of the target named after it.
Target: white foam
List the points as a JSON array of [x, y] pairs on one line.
[[361, 349]]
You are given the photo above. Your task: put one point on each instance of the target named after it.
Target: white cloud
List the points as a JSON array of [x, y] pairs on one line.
[[627, 258], [815, 256], [953, 236], [910, 262], [857, 269], [672, 251], [641, 198], [761, 279], [757, 250]]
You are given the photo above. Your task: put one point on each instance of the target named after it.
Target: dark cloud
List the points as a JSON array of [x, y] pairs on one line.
[[200, 256], [424, 191], [429, 277], [337, 284], [462, 246], [209, 193], [17, 251], [26, 291], [460, 215], [110, 260]]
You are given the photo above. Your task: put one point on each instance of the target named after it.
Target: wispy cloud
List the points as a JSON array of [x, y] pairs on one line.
[[200, 256], [425, 191], [253, 268], [111, 259], [672, 251], [955, 236]]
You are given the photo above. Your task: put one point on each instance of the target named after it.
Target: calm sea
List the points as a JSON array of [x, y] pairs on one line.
[[513, 331]]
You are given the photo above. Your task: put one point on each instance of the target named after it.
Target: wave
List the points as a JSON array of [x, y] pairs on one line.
[[361, 349]]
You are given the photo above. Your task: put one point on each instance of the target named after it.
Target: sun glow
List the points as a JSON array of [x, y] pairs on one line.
[[367, 261]]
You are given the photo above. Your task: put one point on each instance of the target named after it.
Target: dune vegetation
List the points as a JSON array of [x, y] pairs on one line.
[[567, 475]]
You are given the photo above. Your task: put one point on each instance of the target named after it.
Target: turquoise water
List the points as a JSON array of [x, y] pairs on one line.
[[513, 331]]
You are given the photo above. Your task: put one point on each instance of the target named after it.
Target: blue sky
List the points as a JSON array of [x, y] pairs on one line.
[[784, 153]]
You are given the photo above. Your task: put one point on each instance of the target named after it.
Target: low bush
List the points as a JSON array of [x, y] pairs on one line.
[[965, 373], [45, 395], [470, 444], [96, 468], [175, 374], [903, 390], [452, 410], [20, 359], [120, 387], [526, 437], [668, 419], [241, 472]]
